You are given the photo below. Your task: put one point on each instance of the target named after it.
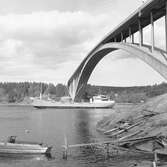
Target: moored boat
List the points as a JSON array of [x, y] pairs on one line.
[[12, 146], [95, 102]]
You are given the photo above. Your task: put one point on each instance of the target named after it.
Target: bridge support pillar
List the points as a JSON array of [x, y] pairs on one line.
[[122, 37], [152, 32], [131, 36], [140, 33], [72, 89], [166, 26]]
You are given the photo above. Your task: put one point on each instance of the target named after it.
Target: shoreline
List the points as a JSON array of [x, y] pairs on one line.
[[30, 104], [129, 113], [15, 104]]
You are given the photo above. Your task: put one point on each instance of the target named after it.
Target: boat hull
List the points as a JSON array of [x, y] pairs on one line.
[[49, 104], [17, 148]]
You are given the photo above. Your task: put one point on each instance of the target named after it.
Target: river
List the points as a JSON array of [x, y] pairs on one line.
[[50, 126]]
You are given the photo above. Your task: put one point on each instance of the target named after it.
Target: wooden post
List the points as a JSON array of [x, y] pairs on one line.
[[108, 150], [155, 156], [65, 151], [154, 164], [155, 159], [155, 147]]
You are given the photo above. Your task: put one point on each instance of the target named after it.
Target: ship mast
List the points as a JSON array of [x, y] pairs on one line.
[[40, 96]]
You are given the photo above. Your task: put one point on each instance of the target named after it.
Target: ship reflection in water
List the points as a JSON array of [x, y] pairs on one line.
[[82, 125]]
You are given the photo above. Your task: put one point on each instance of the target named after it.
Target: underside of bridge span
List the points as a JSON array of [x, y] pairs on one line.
[[157, 60], [145, 15]]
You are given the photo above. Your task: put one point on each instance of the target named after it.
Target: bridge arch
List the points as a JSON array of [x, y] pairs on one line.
[[78, 81]]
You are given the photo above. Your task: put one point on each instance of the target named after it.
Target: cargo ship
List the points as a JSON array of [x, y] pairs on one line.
[[99, 101]]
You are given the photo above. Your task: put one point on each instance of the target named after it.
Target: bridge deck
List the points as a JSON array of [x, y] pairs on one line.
[[155, 6]]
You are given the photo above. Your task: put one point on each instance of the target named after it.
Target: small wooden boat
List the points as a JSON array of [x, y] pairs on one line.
[[11, 146]]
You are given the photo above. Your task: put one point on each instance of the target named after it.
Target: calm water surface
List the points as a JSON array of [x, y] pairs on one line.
[[50, 126]]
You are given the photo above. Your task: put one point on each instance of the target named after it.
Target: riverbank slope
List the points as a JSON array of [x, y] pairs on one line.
[[152, 113]]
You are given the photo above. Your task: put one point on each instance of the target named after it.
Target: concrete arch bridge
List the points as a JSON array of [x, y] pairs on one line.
[[117, 39]]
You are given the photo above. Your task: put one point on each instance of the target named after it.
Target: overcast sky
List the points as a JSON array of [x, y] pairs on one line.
[[45, 40]]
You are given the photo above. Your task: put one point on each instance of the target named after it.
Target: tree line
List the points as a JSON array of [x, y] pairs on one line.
[[12, 92], [132, 94], [17, 92]]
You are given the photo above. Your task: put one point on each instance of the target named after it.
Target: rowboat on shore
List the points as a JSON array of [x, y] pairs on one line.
[[12, 146]]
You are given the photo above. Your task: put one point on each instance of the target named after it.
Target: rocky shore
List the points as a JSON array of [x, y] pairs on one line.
[[155, 109], [132, 121]]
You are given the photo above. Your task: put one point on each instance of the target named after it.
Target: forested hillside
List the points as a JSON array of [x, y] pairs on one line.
[[17, 92], [128, 94]]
